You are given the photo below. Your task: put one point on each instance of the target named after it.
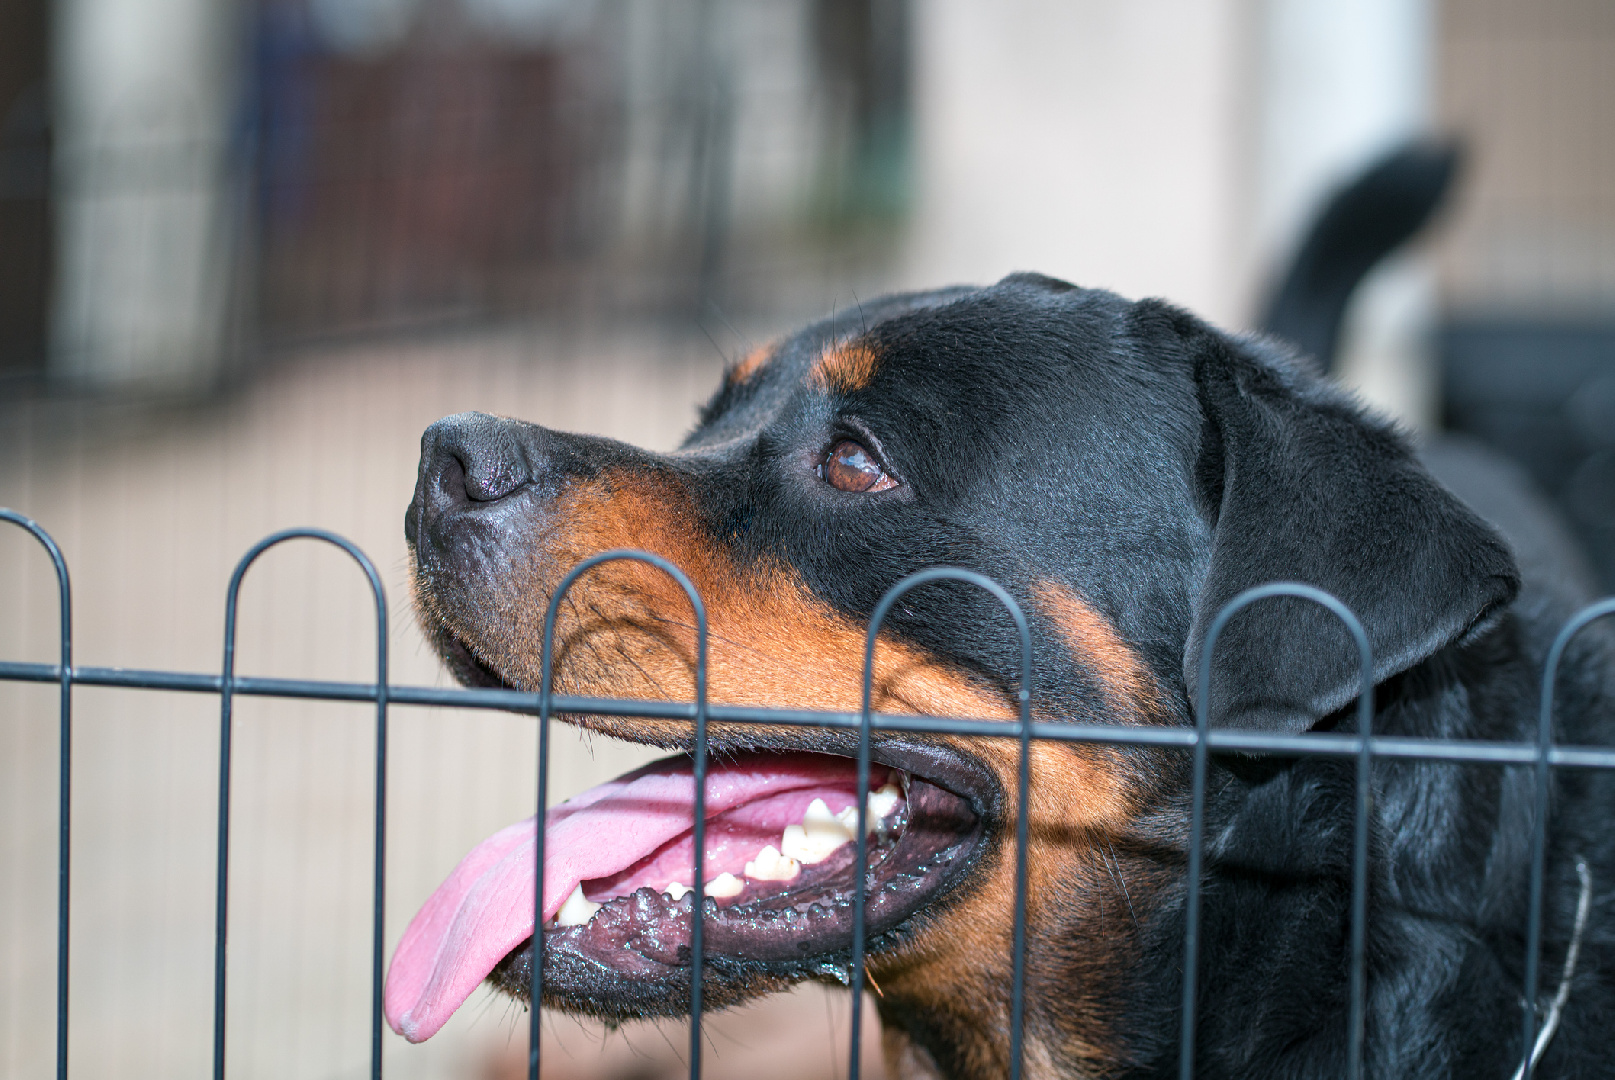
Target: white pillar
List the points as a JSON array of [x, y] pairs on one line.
[[1098, 141], [1342, 83], [145, 92]]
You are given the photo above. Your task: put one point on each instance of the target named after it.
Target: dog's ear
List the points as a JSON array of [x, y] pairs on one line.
[[1300, 485]]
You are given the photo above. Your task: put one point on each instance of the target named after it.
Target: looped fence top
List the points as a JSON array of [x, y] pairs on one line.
[[378, 593], [698, 812], [64, 807], [1359, 890], [1023, 697], [221, 920], [1539, 846]]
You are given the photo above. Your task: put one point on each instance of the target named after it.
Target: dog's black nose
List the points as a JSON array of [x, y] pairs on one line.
[[468, 459]]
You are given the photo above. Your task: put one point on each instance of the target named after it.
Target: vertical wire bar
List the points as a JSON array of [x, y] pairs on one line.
[[221, 900], [860, 870], [1364, 793], [699, 838], [1017, 1021], [535, 990], [1194, 871], [221, 884], [1357, 1019], [1539, 833], [545, 694], [378, 914], [1539, 845], [64, 783], [856, 969]]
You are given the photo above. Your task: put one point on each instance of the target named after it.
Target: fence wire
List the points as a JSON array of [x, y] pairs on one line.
[[1542, 755]]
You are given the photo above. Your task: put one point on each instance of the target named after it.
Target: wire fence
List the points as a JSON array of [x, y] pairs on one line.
[[1363, 747]]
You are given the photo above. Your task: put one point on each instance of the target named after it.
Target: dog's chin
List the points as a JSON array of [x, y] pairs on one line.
[[468, 669]]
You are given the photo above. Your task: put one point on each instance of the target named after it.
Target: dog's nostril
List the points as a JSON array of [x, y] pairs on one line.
[[475, 457], [487, 480], [452, 480]]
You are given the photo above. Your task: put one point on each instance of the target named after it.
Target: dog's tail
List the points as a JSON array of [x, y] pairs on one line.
[[1359, 225]]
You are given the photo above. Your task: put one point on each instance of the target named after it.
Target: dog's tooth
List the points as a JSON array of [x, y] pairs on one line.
[[577, 910], [725, 884], [817, 814], [793, 843], [820, 833], [675, 890], [770, 865], [879, 803], [882, 803]]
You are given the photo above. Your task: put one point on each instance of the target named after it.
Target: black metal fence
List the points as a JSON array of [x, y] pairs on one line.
[[1542, 756]]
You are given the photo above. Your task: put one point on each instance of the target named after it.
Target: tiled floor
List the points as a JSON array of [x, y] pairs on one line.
[[152, 511]]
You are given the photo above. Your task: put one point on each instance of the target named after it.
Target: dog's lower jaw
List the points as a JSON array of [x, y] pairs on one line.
[[982, 1053]]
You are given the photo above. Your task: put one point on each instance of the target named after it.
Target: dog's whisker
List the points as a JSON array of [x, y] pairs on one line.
[[1114, 865]]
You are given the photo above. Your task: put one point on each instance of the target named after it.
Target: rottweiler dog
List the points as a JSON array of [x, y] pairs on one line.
[[1123, 469]]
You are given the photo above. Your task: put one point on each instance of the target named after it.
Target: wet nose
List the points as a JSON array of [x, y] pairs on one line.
[[469, 459]]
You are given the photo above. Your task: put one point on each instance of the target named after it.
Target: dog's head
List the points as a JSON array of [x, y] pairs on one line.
[[1122, 469]]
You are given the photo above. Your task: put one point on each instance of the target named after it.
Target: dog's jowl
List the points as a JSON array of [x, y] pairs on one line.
[[1123, 470]]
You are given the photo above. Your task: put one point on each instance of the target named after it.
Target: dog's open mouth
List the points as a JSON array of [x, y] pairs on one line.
[[619, 865]]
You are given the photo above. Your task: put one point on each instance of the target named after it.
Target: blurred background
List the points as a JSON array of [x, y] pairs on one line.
[[250, 248]]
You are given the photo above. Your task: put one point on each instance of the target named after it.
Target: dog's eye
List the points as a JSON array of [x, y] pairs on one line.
[[849, 467]]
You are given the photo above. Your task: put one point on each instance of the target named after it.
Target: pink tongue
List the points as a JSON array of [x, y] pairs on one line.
[[485, 908]]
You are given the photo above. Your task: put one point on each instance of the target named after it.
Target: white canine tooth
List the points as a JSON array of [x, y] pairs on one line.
[[820, 833], [882, 803], [577, 910], [879, 804], [676, 891], [770, 865], [725, 884]]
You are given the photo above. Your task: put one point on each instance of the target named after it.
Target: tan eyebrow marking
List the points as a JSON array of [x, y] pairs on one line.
[[845, 368], [750, 364]]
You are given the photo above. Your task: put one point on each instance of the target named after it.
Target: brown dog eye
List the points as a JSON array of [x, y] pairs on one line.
[[849, 467]]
